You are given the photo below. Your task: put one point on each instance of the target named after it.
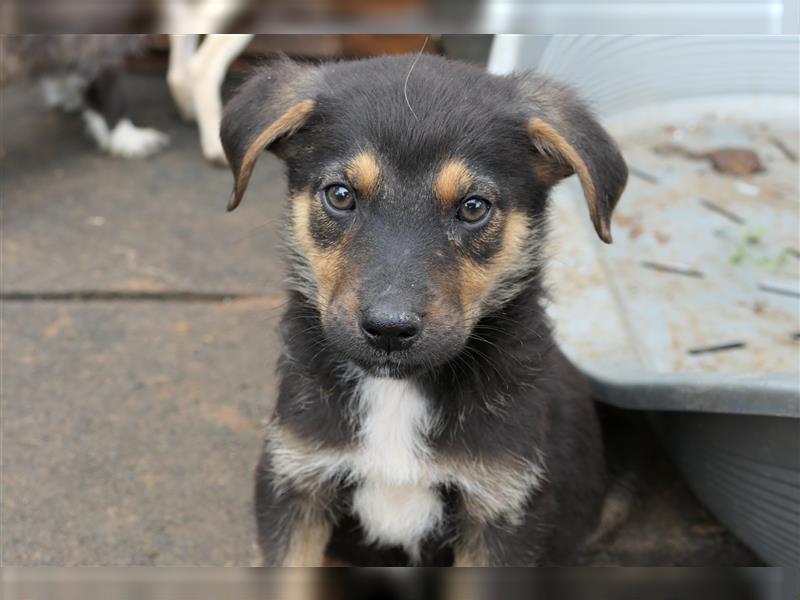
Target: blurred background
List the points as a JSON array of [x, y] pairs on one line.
[[139, 320], [407, 16]]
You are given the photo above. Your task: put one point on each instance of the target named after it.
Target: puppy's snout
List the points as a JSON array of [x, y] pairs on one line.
[[387, 328]]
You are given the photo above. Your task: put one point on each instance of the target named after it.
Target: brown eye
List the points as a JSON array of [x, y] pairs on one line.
[[473, 209], [339, 197]]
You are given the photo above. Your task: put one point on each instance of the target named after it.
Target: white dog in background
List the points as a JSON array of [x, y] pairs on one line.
[[195, 77], [197, 68]]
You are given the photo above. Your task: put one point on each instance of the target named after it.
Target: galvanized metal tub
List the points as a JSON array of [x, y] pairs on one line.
[[693, 313]]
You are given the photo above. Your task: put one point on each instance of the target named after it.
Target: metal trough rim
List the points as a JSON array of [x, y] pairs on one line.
[[772, 394]]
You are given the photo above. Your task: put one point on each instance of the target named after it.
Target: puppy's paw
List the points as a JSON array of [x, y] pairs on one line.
[[128, 141]]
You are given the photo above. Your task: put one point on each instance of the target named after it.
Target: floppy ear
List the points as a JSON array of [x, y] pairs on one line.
[[271, 106], [567, 139]]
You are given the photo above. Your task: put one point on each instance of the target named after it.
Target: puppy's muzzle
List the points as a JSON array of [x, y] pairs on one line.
[[389, 329]]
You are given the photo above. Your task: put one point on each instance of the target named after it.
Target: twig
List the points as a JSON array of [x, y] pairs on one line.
[[676, 269], [712, 206], [781, 145], [775, 287], [717, 348]]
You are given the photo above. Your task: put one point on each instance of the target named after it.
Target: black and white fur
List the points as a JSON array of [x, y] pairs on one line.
[[84, 73]]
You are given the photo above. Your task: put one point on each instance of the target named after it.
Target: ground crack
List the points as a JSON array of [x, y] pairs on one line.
[[128, 296]]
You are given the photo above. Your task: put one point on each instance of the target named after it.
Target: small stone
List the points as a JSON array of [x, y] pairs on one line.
[[735, 161]]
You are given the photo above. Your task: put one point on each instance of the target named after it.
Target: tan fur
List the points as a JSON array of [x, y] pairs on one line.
[[286, 124], [496, 489], [470, 549], [615, 511], [309, 537], [310, 528], [365, 174], [550, 172], [294, 464], [326, 264], [440, 308], [452, 182], [549, 141], [479, 281], [347, 298]]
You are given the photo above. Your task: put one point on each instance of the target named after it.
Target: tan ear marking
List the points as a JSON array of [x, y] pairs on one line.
[[365, 173], [452, 182], [549, 141], [286, 124]]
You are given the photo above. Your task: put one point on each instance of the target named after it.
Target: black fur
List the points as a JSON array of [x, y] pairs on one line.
[[500, 386]]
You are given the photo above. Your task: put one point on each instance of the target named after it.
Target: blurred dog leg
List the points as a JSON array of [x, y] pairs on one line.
[[107, 123], [196, 74], [181, 49], [208, 68], [213, 16]]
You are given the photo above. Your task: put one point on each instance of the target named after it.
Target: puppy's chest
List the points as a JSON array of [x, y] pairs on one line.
[[397, 475], [395, 422], [396, 497]]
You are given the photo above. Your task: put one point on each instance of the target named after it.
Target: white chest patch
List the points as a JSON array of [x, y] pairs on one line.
[[397, 502], [396, 472]]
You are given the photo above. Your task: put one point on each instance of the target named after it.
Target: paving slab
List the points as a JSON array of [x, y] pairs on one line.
[[74, 218], [131, 430]]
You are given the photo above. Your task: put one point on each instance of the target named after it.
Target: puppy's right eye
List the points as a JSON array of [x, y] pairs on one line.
[[473, 210], [339, 197]]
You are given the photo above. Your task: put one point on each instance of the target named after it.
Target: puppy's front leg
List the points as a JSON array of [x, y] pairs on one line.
[[516, 538], [293, 526], [496, 545]]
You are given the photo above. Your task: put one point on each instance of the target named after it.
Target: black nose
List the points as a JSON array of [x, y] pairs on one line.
[[388, 329]]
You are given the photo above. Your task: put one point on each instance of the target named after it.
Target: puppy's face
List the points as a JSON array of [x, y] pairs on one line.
[[416, 208]]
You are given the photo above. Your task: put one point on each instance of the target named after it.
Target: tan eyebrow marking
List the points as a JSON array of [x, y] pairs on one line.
[[452, 182], [365, 173]]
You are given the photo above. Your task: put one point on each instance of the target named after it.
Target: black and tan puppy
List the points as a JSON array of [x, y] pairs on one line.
[[423, 405]]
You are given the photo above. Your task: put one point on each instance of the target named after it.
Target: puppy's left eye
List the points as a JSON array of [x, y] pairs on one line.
[[339, 197], [473, 210]]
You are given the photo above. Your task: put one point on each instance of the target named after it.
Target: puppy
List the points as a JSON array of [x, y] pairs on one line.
[[423, 405], [85, 72]]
